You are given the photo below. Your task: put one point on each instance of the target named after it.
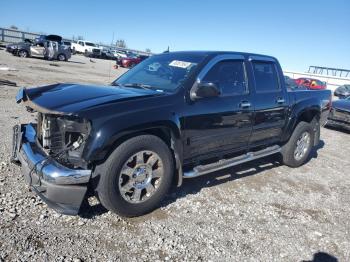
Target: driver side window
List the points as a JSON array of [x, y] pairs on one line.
[[229, 75]]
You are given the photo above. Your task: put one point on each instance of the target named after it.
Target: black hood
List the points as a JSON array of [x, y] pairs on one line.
[[72, 98], [342, 104]]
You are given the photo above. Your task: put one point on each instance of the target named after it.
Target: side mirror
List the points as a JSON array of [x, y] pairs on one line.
[[205, 90]]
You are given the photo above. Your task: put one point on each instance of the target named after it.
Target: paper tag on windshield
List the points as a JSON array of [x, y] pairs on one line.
[[181, 64]]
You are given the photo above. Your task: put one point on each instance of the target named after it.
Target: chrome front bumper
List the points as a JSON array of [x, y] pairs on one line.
[[60, 187]]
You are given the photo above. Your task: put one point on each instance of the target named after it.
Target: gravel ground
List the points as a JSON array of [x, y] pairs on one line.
[[259, 211]]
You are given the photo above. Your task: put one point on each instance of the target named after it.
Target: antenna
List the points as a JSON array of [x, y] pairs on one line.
[[109, 74]]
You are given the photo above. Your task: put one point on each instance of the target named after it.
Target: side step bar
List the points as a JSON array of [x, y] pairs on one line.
[[225, 163]]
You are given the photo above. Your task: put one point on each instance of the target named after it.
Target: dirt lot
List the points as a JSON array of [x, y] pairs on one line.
[[259, 211]]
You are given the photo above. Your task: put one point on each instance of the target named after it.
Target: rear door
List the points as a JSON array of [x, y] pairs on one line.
[[220, 124], [270, 101]]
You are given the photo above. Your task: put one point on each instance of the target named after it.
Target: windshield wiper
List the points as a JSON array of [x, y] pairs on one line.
[[138, 85], [115, 84]]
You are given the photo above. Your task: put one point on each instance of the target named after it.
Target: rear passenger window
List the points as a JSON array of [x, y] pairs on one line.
[[229, 75], [266, 78]]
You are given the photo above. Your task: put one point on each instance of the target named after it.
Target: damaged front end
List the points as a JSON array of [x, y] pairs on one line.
[[63, 137], [50, 153]]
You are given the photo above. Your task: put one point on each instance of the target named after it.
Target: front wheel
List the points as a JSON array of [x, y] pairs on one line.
[[297, 150], [136, 176], [23, 53]]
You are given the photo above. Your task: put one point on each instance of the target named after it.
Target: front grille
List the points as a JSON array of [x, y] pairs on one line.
[[96, 51], [340, 115]]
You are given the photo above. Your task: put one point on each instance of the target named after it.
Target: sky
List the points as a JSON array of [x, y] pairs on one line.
[[299, 33]]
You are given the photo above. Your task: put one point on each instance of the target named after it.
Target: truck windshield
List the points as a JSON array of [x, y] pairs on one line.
[[165, 72], [89, 44]]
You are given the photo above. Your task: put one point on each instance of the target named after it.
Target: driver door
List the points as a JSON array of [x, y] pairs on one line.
[[223, 124], [37, 50]]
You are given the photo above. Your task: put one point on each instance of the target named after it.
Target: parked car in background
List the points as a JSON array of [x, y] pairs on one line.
[[131, 60], [43, 38], [107, 53], [40, 48], [128, 142], [339, 115], [67, 43], [87, 48], [311, 83], [12, 48], [290, 82], [27, 40], [120, 53], [342, 91]]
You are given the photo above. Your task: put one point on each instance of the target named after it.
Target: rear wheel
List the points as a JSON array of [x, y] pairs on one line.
[[136, 176], [61, 57], [23, 53], [297, 150]]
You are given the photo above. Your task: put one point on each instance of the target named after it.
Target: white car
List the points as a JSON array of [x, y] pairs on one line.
[[120, 53], [86, 47]]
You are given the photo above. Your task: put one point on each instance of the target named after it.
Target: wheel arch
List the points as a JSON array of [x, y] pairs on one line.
[[167, 131], [310, 114]]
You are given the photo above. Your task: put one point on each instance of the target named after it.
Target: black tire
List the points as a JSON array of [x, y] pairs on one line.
[[109, 174], [23, 53], [74, 51], [61, 57], [288, 150]]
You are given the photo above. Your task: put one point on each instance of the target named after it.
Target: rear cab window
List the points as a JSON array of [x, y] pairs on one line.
[[266, 77]]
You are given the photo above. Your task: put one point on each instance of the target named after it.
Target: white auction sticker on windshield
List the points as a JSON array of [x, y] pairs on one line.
[[181, 64]]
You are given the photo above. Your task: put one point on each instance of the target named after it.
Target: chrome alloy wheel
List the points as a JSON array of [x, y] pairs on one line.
[[302, 146], [141, 176]]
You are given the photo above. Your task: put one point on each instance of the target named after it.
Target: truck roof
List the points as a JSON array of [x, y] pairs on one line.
[[205, 52]]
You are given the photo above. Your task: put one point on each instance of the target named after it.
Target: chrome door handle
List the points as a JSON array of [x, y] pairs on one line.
[[280, 101], [245, 104]]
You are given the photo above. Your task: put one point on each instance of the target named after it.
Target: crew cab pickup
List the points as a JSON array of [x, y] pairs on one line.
[[86, 47], [192, 114]]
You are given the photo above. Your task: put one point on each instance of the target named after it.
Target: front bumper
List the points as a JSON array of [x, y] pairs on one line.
[[61, 188], [339, 118], [12, 50], [338, 123]]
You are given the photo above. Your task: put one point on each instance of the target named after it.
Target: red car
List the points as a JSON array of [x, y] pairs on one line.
[[131, 60], [311, 83]]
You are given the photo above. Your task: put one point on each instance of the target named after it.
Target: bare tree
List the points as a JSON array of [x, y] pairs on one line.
[[121, 43], [148, 50], [80, 37]]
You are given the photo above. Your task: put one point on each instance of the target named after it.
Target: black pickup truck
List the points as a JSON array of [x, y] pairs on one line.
[[175, 115]]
